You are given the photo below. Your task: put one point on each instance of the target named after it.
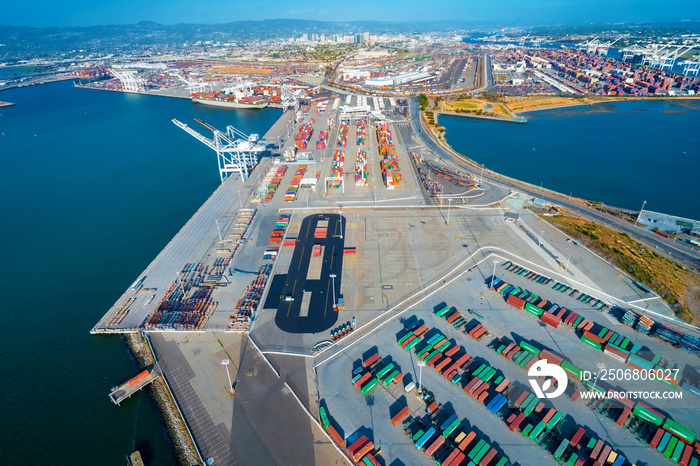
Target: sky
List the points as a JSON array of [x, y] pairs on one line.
[[45, 13]]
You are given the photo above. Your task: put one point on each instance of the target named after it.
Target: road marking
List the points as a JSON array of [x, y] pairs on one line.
[[332, 252], [290, 302], [302, 256], [325, 307]]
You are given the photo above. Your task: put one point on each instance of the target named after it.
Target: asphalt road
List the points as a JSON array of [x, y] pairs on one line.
[[321, 315], [649, 238]]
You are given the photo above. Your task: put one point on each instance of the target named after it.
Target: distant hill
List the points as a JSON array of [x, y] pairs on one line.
[[23, 42]]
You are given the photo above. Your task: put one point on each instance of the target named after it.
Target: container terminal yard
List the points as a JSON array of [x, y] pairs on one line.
[[376, 301]]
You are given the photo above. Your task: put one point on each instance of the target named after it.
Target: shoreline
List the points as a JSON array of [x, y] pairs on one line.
[[183, 444], [604, 100]]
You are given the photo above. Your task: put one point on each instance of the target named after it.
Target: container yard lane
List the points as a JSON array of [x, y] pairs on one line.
[[294, 313]]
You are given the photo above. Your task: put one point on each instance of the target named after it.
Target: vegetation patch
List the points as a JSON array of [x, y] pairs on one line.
[[679, 287]]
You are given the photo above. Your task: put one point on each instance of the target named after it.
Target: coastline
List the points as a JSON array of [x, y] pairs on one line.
[[604, 100], [183, 444]]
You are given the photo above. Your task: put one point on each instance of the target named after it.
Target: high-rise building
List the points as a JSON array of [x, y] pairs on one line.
[[358, 38]]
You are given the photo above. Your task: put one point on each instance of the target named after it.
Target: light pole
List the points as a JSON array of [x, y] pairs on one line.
[[219, 230], [333, 278], [493, 275], [539, 243], [226, 362], [420, 363], [640, 213], [449, 204]]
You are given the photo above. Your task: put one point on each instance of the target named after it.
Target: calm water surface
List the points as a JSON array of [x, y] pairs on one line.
[[620, 153], [94, 185]]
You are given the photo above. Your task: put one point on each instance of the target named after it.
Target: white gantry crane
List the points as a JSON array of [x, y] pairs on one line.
[[289, 97], [196, 85], [236, 152], [130, 82]]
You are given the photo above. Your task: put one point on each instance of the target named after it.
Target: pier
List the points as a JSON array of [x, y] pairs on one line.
[[133, 385]]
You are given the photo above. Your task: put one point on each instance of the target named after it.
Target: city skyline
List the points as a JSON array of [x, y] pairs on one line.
[[50, 13]]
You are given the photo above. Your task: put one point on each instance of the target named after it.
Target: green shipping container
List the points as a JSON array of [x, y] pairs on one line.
[[572, 460], [590, 342], [577, 321], [389, 378], [677, 452], [527, 346], [489, 375], [558, 416], [412, 344], [479, 370], [571, 369], [405, 337], [681, 431], [527, 430], [444, 346], [443, 311], [476, 449], [324, 417], [532, 309], [369, 385], [562, 447], [537, 431], [485, 449], [647, 415], [670, 447], [385, 370], [502, 462], [447, 432]]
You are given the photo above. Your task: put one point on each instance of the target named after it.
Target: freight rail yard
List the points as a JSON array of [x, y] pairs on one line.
[[378, 305]]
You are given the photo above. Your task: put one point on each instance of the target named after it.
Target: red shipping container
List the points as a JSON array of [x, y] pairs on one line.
[[463, 359], [437, 443], [357, 444], [577, 437], [550, 319], [515, 302], [549, 415], [508, 348], [623, 417], [453, 317], [596, 449], [432, 407], [370, 360], [452, 350], [434, 359], [593, 337], [517, 422], [487, 459], [483, 395], [550, 357], [336, 436], [363, 451], [400, 415], [420, 330], [466, 440], [478, 334], [685, 457], [511, 418], [442, 364], [362, 380], [502, 386], [372, 459], [657, 438], [480, 389], [521, 398]]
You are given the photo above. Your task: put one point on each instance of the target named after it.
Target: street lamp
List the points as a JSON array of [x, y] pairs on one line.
[[449, 204], [219, 230], [333, 278], [640, 213], [226, 362], [493, 275], [420, 363], [539, 243]]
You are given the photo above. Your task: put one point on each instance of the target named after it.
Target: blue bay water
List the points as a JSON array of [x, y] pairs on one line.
[[619, 153], [94, 185]]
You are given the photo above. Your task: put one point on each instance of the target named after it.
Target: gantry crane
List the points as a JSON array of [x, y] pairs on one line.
[[236, 152]]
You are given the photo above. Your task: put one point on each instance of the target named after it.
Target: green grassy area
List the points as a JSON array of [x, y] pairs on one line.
[[679, 287], [463, 105]]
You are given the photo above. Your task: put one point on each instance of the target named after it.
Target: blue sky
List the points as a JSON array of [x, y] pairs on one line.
[[43, 13]]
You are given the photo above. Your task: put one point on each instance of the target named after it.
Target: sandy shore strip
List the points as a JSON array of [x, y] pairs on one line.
[[591, 101]]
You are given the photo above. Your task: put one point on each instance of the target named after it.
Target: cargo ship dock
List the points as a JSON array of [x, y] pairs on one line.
[[360, 241]]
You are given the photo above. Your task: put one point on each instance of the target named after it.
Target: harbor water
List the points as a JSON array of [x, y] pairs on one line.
[[620, 153], [94, 185]]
